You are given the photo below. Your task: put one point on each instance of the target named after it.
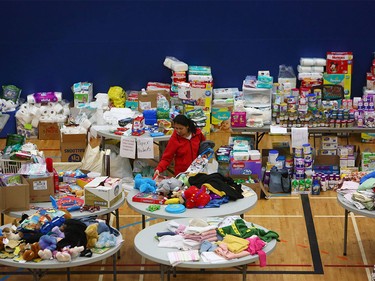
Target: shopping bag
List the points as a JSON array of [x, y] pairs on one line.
[[279, 181]]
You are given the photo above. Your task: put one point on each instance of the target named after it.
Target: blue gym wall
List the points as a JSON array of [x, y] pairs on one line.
[[49, 45]]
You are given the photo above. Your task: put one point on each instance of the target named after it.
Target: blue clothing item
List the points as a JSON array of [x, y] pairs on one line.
[[216, 203], [207, 246], [366, 177], [160, 234]]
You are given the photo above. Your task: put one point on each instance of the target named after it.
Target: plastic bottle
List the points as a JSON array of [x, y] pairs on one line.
[[143, 92]]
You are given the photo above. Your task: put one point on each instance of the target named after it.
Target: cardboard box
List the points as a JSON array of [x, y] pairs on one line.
[[249, 167], [15, 197], [48, 131], [258, 186], [150, 100], [73, 147], [103, 196], [327, 164], [41, 188]]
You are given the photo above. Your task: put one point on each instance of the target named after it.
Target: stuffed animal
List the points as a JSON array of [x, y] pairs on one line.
[[74, 231], [92, 235], [196, 198], [178, 194], [48, 242], [106, 239], [56, 232], [63, 255], [32, 252], [166, 186], [76, 251], [144, 184], [45, 254], [10, 235]]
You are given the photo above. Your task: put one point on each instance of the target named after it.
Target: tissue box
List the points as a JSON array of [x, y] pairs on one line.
[[104, 196]]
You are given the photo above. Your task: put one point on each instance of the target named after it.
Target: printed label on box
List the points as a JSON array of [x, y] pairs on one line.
[[40, 185]]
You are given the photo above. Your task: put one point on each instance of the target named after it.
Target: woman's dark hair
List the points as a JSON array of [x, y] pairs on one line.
[[184, 121]]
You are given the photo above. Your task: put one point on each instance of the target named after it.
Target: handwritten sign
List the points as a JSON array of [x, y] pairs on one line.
[[127, 147], [145, 148], [300, 136]]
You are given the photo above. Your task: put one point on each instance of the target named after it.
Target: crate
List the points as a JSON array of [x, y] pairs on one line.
[[8, 166]]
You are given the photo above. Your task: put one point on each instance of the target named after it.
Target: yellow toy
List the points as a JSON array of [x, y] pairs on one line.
[[92, 235], [116, 96]]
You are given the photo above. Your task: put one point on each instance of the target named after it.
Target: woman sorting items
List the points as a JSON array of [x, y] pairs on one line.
[[183, 146]]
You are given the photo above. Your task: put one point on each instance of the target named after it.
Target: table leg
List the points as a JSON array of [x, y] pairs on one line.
[[162, 268], [114, 267], [143, 222], [346, 231], [2, 219], [68, 273], [244, 272], [37, 274]]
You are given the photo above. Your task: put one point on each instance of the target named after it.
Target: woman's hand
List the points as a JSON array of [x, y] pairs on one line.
[[156, 174]]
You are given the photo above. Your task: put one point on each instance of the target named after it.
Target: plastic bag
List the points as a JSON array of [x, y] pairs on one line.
[[279, 181]]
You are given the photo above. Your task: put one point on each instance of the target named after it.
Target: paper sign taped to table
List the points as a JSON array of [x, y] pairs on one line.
[[145, 148], [300, 136], [127, 147], [278, 130]]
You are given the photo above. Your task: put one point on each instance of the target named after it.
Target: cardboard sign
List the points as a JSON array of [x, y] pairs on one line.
[[127, 147], [145, 148]]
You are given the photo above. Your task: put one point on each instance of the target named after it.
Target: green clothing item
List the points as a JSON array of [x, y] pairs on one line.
[[239, 228]]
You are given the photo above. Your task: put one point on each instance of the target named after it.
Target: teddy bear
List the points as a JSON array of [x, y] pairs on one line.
[[10, 235], [195, 197], [144, 184], [106, 239], [92, 235], [166, 186], [67, 254]]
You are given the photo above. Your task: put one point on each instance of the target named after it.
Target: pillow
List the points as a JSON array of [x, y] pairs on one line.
[[367, 184]]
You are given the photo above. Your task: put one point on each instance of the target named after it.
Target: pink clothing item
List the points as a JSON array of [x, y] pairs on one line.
[[222, 250], [255, 248]]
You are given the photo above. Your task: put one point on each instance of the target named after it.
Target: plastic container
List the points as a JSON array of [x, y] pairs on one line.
[[272, 156], [241, 155], [254, 154]]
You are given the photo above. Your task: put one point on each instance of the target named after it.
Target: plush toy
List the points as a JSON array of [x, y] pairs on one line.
[[47, 242], [92, 235], [45, 254], [166, 186], [106, 239], [10, 235], [74, 231], [31, 252], [178, 194], [63, 255], [76, 251], [56, 232], [196, 198], [102, 227], [144, 184]]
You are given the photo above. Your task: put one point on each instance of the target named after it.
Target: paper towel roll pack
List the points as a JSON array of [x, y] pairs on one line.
[[44, 97], [35, 113]]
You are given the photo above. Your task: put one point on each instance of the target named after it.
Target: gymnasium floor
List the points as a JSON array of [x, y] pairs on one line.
[[311, 230]]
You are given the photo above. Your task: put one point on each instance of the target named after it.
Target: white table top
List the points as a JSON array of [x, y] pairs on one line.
[[238, 207], [53, 264], [105, 132], [147, 246], [75, 214], [350, 207]]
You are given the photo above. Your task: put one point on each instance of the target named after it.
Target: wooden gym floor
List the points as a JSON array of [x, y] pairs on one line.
[[311, 229]]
